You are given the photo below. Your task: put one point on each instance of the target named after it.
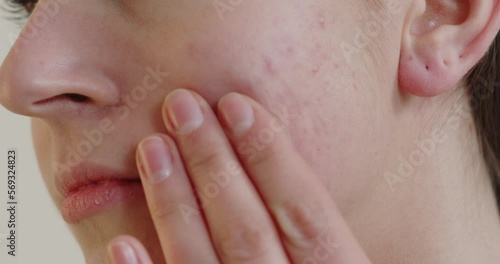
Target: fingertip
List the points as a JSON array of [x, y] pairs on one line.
[[121, 252], [127, 250], [236, 113], [170, 151]]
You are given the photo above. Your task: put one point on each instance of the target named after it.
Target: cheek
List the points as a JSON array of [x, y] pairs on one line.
[[272, 58], [288, 60]]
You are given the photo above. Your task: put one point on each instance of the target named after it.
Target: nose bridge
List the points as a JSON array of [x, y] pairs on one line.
[[58, 52]]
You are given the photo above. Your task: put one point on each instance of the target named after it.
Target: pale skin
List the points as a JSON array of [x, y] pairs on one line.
[[351, 118], [271, 189]]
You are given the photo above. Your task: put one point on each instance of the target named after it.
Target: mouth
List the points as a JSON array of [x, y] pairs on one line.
[[89, 189]]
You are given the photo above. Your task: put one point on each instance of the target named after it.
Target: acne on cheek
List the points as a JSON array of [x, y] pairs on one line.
[[272, 54], [291, 59], [275, 76], [278, 64]]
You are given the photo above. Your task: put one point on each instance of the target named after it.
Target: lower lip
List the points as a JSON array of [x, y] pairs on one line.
[[97, 197]]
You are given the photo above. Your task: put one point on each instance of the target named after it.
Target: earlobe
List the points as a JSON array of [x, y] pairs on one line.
[[442, 40]]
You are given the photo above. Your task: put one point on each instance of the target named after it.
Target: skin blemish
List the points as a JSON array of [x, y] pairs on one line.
[[192, 51], [322, 23], [321, 20], [427, 67], [269, 66]]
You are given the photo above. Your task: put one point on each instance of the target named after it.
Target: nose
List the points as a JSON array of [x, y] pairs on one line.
[[51, 71], [48, 88]]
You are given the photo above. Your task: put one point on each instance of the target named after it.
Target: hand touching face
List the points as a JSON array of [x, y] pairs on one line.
[[213, 200]]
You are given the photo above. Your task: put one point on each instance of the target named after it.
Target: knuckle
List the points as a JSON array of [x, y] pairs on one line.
[[266, 160], [204, 159], [163, 211], [268, 151], [267, 154], [261, 155], [244, 241], [303, 223]]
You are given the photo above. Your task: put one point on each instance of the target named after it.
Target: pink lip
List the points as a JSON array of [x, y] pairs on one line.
[[88, 189]]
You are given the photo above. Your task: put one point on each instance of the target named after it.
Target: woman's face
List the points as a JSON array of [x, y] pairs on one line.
[[93, 75]]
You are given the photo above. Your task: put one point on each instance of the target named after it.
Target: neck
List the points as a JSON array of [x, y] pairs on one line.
[[439, 210]]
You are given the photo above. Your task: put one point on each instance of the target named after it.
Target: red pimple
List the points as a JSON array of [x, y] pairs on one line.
[[322, 23], [269, 66]]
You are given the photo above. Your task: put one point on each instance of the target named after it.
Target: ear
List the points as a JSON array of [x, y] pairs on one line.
[[442, 40]]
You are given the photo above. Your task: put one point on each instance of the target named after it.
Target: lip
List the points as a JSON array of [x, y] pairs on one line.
[[88, 189]]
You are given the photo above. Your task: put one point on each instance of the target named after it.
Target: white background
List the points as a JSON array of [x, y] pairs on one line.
[[43, 236]]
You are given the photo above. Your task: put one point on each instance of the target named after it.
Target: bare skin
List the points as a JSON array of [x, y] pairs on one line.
[[360, 103]]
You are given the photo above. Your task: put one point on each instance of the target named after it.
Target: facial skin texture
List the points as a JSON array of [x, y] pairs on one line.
[[350, 121]]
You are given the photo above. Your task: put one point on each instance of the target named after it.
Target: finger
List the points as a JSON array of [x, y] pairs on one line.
[[241, 229], [312, 228], [127, 250], [167, 189]]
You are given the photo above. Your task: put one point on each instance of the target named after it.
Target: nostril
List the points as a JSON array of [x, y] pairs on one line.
[[76, 98], [48, 87]]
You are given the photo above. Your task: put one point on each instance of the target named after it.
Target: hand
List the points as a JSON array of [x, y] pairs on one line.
[[231, 188]]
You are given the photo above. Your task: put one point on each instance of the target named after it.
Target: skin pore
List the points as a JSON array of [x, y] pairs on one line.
[[356, 112]]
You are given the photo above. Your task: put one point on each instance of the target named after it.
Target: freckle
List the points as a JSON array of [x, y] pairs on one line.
[[315, 70], [290, 50], [355, 87], [411, 58], [445, 62]]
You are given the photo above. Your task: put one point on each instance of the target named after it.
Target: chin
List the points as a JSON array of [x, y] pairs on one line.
[[131, 218]]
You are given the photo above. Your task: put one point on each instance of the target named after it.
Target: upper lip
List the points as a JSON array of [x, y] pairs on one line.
[[72, 179]]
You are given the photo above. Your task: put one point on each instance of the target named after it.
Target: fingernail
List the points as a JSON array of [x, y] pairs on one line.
[[123, 253], [184, 111], [154, 154], [237, 113]]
